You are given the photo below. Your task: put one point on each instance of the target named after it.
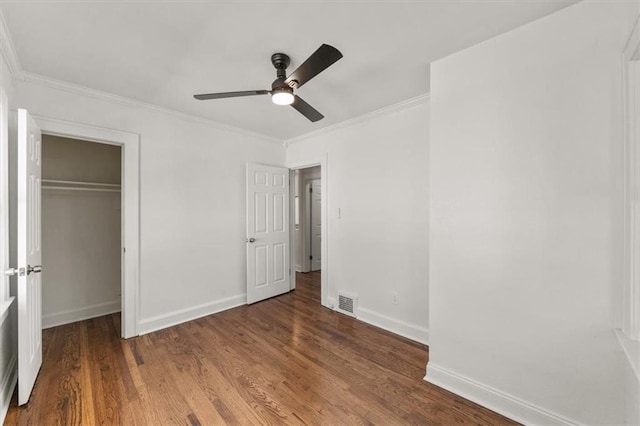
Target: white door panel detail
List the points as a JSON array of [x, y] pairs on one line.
[[29, 288], [267, 232]]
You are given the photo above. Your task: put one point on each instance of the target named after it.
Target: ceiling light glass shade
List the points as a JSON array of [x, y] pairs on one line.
[[282, 98]]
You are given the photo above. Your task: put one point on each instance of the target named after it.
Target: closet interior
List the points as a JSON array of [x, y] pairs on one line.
[[81, 230]]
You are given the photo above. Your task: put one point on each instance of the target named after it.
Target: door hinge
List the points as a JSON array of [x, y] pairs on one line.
[[311, 189], [310, 257]]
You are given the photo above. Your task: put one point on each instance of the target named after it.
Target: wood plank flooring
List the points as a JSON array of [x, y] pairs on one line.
[[286, 360]]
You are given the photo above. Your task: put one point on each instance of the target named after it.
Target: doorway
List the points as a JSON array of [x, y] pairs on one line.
[[130, 207], [81, 229], [307, 238]]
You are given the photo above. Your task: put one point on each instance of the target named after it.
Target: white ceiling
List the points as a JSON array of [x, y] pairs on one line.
[[163, 52]]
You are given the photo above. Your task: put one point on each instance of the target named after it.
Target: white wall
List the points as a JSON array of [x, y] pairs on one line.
[[526, 212], [81, 232], [8, 351], [192, 200], [80, 161], [377, 176]]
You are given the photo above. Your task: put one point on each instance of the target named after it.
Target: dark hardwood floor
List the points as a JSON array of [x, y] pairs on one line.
[[286, 360]]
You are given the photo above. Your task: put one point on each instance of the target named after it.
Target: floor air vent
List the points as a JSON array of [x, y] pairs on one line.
[[347, 303]]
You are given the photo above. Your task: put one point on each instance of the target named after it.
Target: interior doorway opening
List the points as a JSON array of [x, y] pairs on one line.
[[307, 232], [129, 144], [81, 229]]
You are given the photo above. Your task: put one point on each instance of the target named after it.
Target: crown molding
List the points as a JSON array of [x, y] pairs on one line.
[[409, 103], [52, 83], [7, 49], [632, 47]]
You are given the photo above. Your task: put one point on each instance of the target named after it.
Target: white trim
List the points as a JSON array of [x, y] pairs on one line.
[[44, 81], [631, 348], [632, 47], [323, 162], [9, 382], [500, 402], [631, 283], [74, 315], [305, 226], [130, 143], [391, 109], [8, 51], [4, 309], [331, 303], [7, 48], [402, 328], [188, 314], [293, 266], [4, 202]]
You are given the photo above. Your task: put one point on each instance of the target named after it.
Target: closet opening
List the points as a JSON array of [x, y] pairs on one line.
[[307, 238], [81, 231]]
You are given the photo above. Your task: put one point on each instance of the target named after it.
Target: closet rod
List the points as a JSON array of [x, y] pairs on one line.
[[71, 188], [73, 182]]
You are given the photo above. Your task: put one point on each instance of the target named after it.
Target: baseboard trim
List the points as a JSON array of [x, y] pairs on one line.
[[493, 399], [183, 315], [402, 328], [9, 382], [331, 303], [74, 315]]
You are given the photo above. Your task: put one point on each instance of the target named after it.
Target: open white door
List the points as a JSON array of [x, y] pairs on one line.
[[29, 289], [267, 232]]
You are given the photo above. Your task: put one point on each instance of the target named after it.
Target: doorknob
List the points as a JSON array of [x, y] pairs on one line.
[[11, 272], [251, 240], [35, 269]]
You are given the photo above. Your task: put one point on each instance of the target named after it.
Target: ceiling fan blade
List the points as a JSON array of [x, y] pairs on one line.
[[222, 95], [305, 109], [319, 61]]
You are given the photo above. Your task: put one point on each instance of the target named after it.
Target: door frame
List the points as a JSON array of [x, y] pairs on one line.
[[6, 299], [322, 161], [130, 205], [629, 307], [308, 243], [306, 229]]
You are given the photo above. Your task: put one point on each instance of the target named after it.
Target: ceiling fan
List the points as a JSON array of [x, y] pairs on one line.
[[282, 87]]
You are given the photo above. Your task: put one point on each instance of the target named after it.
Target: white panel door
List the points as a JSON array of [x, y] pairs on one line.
[[267, 232], [316, 224], [29, 293]]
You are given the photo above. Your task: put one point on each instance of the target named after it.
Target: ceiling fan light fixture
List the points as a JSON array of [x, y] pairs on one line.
[[282, 97], [282, 87]]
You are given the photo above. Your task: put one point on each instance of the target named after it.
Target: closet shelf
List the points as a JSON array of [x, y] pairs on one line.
[[71, 185]]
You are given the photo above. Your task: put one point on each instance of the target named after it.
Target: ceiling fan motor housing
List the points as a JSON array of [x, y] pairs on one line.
[[279, 85], [281, 61]]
